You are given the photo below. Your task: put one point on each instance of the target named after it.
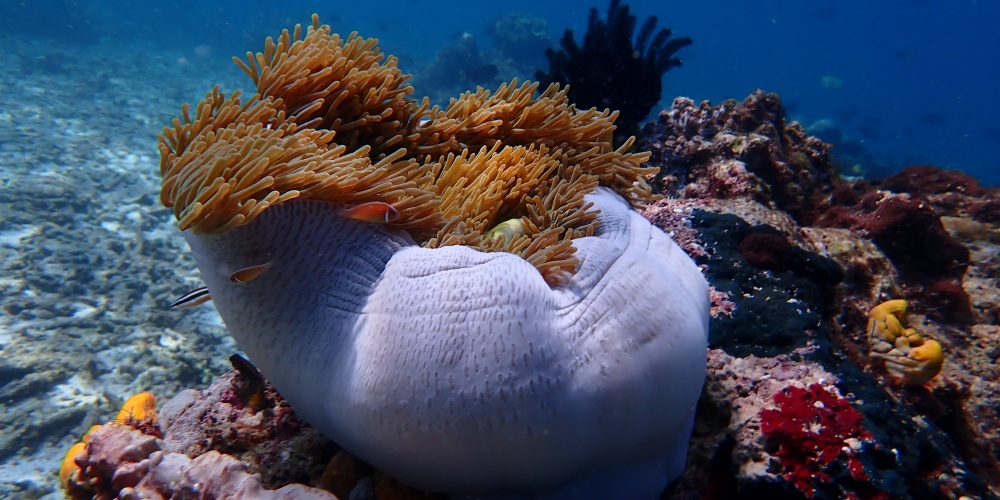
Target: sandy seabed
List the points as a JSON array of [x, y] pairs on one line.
[[89, 258]]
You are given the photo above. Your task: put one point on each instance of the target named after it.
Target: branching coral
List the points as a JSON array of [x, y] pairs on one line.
[[610, 70], [461, 297], [910, 358]]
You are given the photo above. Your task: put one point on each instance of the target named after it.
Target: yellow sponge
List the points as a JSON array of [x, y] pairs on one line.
[[910, 358]]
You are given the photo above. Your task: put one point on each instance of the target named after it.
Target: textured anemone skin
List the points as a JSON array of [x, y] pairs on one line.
[[459, 371]]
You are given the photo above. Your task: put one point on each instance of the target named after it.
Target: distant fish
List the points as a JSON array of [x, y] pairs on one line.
[[831, 82], [195, 297], [203, 51], [870, 132], [848, 115]]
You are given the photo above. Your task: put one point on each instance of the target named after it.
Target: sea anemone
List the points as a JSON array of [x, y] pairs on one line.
[[463, 298]]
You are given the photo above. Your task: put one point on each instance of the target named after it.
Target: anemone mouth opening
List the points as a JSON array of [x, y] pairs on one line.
[[332, 120]]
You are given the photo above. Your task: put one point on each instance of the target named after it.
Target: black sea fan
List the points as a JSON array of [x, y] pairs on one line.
[[610, 71]]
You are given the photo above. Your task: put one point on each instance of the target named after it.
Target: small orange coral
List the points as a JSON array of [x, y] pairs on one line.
[[138, 408], [69, 467], [142, 406]]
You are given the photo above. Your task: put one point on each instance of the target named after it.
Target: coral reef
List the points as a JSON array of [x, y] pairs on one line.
[[798, 257], [83, 327], [739, 150], [122, 462], [213, 443], [781, 302], [457, 67], [521, 38], [612, 70], [952, 193], [894, 222], [863, 452]]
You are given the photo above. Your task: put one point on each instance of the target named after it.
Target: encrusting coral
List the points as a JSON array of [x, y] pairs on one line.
[[461, 297], [910, 358]]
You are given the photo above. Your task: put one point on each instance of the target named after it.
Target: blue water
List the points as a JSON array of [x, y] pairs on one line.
[[901, 82]]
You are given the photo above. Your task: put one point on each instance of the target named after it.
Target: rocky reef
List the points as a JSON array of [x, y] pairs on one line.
[[799, 257]]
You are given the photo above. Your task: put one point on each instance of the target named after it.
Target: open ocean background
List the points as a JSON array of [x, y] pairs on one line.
[[900, 82]]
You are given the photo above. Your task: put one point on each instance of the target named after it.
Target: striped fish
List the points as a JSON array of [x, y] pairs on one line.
[[195, 297]]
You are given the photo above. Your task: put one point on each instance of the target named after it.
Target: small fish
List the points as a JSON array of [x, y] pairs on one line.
[[195, 297], [507, 230], [253, 393], [248, 274], [374, 211]]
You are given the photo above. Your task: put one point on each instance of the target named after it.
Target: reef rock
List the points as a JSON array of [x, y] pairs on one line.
[[797, 257], [738, 149]]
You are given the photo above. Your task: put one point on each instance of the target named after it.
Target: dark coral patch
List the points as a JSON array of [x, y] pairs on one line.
[[946, 300], [951, 192], [766, 251], [912, 236], [931, 180], [775, 309], [907, 228]]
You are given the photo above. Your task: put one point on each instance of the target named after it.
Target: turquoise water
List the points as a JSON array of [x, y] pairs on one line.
[[903, 82]]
